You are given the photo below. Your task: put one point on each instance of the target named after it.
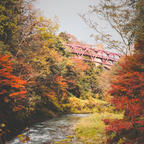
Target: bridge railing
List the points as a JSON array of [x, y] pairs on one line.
[[96, 55]]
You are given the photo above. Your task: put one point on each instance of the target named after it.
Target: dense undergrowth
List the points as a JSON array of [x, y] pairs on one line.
[[89, 105]]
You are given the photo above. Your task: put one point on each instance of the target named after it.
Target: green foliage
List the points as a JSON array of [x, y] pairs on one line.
[[8, 22], [90, 105], [92, 129], [64, 37]]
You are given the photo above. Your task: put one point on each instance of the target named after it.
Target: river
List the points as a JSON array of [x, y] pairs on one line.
[[53, 130]]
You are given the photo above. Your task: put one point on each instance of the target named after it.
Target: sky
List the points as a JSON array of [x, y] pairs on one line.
[[68, 12]]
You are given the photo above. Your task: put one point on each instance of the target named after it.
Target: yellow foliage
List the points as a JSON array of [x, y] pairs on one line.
[[2, 125], [41, 18], [121, 141], [55, 56], [89, 105], [23, 138], [69, 62]]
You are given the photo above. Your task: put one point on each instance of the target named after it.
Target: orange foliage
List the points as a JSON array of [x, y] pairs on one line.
[[11, 87], [51, 95], [55, 56], [62, 86], [17, 108], [18, 93], [61, 82], [80, 64]]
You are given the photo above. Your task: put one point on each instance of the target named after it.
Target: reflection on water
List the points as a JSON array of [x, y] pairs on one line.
[[53, 130]]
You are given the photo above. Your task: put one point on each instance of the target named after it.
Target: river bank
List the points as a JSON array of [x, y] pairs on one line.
[[52, 131], [91, 130], [68, 129], [75, 106]]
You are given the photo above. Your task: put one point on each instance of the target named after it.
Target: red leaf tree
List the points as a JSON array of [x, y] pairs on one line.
[[12, 90], [127, 89]]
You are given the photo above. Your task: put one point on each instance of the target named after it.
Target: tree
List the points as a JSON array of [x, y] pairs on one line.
[[137, 23], [12, 89], [16, 15], [127, 89], [114, 14]]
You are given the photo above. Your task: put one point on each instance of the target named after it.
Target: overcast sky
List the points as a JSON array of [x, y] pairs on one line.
[[67, 12]]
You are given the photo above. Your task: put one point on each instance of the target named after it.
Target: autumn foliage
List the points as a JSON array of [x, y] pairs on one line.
[[127, 89], [12, 90]]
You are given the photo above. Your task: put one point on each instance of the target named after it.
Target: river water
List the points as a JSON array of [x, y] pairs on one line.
[[53, 130]]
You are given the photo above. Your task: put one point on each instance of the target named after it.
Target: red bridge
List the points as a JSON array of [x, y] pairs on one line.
[[103, 57]]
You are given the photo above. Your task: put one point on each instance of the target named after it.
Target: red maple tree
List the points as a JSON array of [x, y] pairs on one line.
[[12, 90], [127, 89]]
